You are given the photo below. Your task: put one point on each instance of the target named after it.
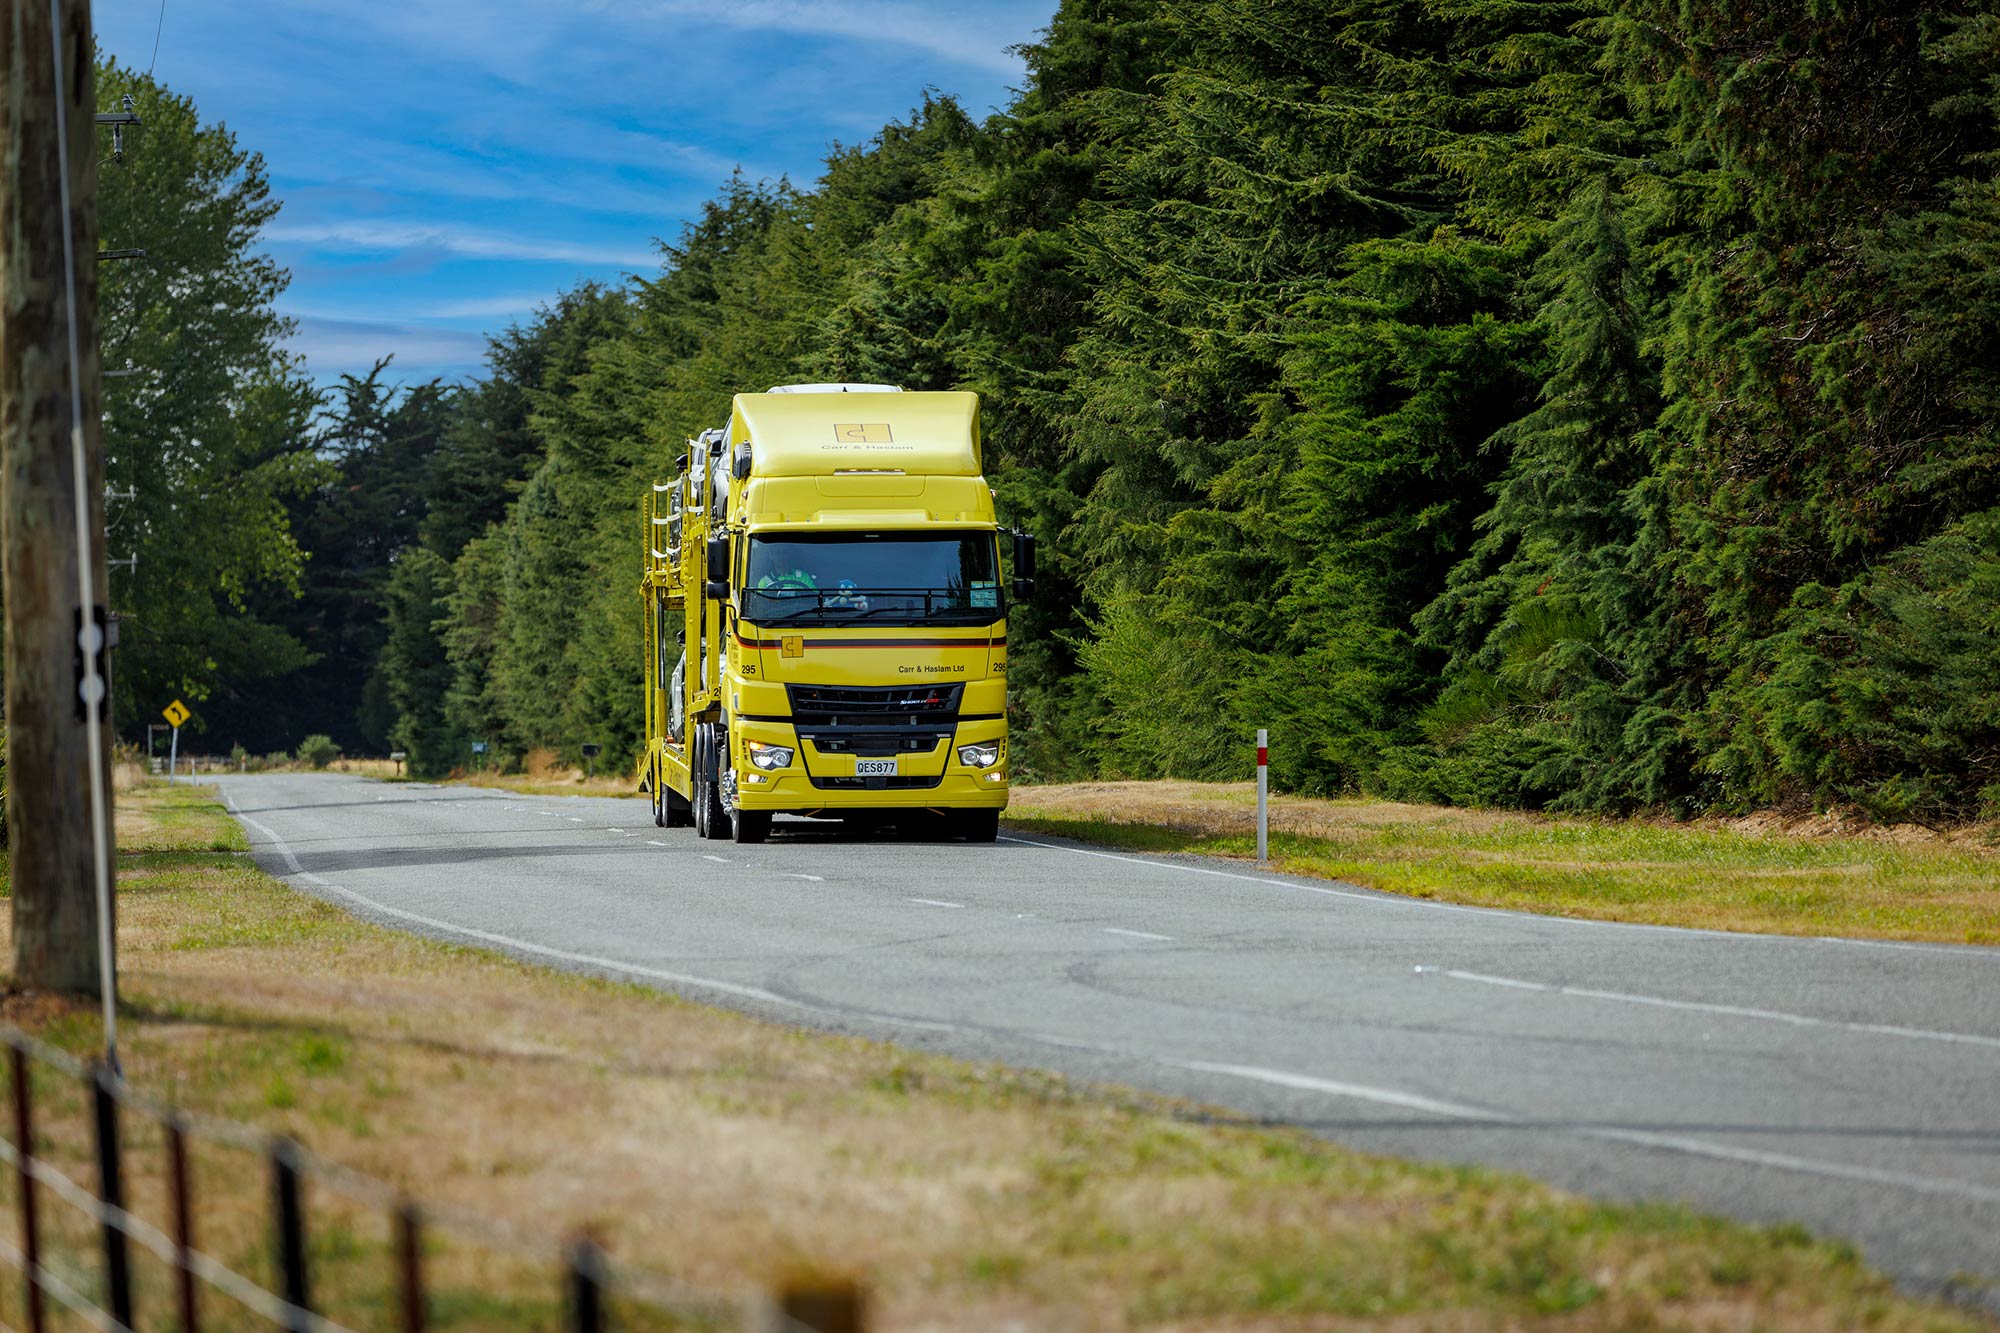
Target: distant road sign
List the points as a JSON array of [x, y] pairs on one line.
[[479, 747], [592, 751], [175, 713]]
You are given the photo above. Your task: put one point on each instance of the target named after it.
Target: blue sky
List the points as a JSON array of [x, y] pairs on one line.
[[448, 165]]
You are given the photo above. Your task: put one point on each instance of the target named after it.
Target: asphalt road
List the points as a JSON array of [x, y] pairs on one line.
[[1851, 1086]]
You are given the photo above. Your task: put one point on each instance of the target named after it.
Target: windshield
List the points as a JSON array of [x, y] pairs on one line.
[[888, 577]]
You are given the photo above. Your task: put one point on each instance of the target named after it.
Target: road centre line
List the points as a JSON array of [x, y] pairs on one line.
[[1726, 1010], [817, 879], [1637, 1137], [933, 902], [1385, 899], [719, 860], [651, 843], [1135, 934], [1413, 1101]]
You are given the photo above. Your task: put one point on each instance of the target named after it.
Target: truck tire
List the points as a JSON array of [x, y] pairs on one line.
[[659, 787], [751, 825], [711, 820], [978, 825], [698, 801]]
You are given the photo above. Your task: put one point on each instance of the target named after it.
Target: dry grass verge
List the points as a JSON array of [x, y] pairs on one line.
[[729, 1151], [1781, 877]]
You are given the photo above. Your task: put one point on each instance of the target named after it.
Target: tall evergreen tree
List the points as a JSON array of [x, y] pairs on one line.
[[208, 430]]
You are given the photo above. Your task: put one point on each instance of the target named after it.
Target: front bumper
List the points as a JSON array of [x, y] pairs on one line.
[[793, 792], [817, 780]]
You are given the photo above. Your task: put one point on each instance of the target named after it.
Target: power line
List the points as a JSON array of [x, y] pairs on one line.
[[158, 28]]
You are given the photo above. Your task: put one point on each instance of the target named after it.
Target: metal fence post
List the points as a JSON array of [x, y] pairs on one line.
[[111, 1193], [290, 1219], [586, 1287], [1263, 795], [182, 1209], [824, 1307], [24, 1148], [410, 1266]]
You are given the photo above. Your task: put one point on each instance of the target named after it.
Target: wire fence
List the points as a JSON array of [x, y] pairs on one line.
[[340, 1251]]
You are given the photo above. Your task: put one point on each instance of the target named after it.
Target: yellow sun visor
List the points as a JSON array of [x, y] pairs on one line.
[[859, 434]]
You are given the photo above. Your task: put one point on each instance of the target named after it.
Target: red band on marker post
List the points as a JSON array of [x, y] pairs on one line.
[[1263, 756]]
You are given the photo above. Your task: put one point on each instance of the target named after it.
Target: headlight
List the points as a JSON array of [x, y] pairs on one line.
[[769, 756], [979, 756]]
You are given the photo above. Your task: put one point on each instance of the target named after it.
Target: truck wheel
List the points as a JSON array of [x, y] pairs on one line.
[[751, 825], [711, 820], [978, 825], [699, 800], [659, 798]]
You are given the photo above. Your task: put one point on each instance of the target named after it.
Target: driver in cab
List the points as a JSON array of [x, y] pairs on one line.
[[796, 582]]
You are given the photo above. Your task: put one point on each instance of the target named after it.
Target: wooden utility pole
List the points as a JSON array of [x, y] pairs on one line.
[[50, 820]]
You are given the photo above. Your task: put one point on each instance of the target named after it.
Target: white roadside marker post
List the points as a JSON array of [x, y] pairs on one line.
[[1263, 795]]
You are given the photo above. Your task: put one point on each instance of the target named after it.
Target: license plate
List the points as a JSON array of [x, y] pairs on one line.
[[874, 768]]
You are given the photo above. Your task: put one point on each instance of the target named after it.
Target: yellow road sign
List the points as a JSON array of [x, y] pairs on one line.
[[175, 712]]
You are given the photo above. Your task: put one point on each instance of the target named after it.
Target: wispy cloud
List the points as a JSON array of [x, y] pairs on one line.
[[489, 307], [978, 34], [975, 33], [377, 236]]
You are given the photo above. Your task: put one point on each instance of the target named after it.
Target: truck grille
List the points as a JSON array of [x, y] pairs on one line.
[[876, 744], [845, 706]]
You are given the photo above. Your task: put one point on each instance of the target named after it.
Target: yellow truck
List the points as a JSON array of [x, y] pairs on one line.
[[826, 621]]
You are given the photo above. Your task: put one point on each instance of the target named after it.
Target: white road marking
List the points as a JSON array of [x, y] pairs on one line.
[[1429, 904], [817, 879], [719, 860], [933, 902], [651, 843], [1641, 1138], [614, 830], [550, 813], [1136, 934], [520, 945], [1727, 1010], [573, 819]]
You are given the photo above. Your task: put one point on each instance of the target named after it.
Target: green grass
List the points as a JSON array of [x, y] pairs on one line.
[[1624, 870]]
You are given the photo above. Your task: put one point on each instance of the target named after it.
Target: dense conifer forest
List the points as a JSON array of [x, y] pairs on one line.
[[1571, 404]]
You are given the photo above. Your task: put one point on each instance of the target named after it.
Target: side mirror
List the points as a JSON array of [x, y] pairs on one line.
[[718, 567], [717, 590], [1024, 565], [739, 464]]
